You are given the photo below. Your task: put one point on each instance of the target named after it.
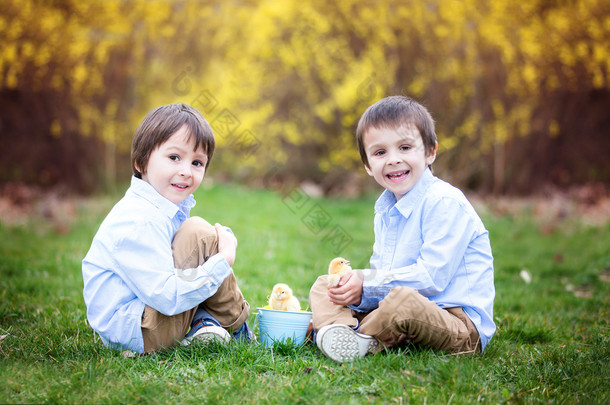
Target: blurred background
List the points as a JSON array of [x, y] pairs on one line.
[[520, 90]]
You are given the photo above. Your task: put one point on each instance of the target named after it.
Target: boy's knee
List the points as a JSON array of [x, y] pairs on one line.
[[194, 242], [323, 280], [403, 300], [195, 227], [402, 294], [321, 284], [198, 224]]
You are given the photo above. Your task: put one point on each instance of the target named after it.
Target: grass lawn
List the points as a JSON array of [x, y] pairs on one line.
[[552, 343]]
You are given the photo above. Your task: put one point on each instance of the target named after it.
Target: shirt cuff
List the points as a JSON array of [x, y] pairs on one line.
[[213, 272], [372, 295], [218, 269], [367, 304]]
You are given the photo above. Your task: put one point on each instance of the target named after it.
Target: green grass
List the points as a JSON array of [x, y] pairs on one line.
[[552, 346]]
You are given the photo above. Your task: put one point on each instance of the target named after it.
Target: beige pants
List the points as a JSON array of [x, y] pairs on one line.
[[403, 316], [194, 243]]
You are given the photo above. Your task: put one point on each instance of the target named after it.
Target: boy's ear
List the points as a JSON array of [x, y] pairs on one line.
[[368, 170], [137, 167], [431, 157]]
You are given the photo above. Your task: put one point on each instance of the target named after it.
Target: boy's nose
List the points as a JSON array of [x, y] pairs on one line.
[[185, 170], [393, 158]]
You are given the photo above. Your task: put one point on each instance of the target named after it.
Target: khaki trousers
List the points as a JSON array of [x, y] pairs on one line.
[[403, 316], [194, 243]]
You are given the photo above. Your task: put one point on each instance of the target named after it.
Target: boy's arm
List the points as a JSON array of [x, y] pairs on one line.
[[447, 229], [146, 265]]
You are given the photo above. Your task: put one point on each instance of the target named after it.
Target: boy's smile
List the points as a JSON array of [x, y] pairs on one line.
[[175, 169], [397, 157]]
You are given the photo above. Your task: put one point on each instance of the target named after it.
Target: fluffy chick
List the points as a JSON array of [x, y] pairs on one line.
[[338, 268], [281, 299]]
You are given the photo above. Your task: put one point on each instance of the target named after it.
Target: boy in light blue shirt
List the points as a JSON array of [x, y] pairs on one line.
[[152, 273], [431, 280]]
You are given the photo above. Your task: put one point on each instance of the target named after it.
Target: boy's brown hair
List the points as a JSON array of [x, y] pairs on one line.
[[394, 112], [161, 123]]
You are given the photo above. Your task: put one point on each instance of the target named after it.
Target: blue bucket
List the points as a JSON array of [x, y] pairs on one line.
[[281, 326]]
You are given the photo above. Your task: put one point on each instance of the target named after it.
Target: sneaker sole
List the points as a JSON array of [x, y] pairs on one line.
[[209, 334], [341, 343]]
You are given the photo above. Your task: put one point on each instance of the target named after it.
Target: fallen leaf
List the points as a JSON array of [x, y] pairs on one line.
[[128, 354], [583, 291], [604, 275], [327, 369], [411, 374], [583, 294]]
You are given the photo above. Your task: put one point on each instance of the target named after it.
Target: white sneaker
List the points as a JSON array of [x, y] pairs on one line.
[[341, 343], [208, 334]]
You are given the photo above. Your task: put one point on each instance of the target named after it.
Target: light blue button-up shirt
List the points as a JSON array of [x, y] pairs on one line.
[[130, 265], [433, 241]]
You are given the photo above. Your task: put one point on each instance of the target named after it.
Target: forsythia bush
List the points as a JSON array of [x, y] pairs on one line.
[[284, 83]]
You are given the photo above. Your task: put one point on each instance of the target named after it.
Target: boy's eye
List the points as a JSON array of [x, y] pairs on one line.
[[174, 157], [405, 147], [379, 153], [197, 163]]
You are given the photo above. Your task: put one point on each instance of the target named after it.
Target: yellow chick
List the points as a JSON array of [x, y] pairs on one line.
[[281, 299], [338, 268]]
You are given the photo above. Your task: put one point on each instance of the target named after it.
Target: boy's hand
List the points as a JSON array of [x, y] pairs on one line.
[[349, 290], [227, 243]]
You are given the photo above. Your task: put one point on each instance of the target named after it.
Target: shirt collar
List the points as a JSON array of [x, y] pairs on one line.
[[144, 190], [387, 199]]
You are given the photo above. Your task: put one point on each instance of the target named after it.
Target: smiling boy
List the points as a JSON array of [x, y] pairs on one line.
[[165, 174], [431, 278], [397, 158], [152, 273]]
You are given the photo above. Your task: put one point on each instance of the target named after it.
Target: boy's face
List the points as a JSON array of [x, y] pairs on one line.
[[174, 169], [397, 157]]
